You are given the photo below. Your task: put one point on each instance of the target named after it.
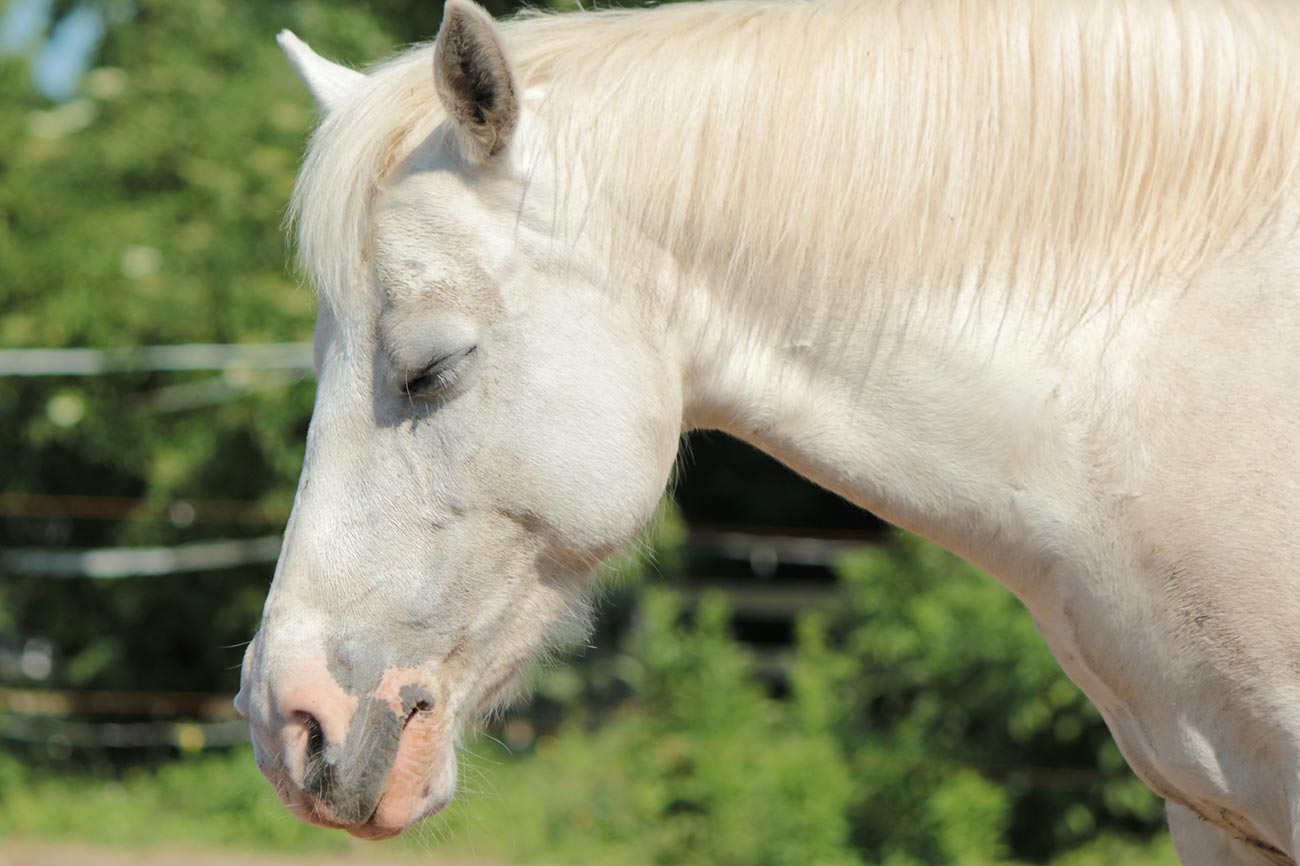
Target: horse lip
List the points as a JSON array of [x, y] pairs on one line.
[[371, 831], [365, 829]]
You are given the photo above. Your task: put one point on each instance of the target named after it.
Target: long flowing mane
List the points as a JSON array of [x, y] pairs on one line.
[[857, 147]]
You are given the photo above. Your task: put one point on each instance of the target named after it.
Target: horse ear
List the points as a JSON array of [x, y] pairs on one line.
[[329, 82], [475, 80]]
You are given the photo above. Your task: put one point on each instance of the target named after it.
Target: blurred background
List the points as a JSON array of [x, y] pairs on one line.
[[776, 679]]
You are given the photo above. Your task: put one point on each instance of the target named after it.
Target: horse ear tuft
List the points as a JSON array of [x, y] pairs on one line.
[[329, 82], [474, 80]]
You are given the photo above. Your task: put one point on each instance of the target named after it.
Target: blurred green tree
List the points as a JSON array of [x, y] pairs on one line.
[[147, 210], [968, 741]]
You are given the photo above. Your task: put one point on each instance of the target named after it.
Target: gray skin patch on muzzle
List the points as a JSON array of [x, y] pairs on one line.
[[358, 661], [357, 666], [350, 777]]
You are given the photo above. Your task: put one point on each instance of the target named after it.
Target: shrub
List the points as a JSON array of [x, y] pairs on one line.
[[211, 800], [703, 768], [967, 741]]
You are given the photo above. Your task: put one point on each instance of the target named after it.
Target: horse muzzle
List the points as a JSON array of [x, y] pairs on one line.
[[373, 766]]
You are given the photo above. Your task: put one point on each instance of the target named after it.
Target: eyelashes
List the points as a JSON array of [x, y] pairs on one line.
[[439, 375]]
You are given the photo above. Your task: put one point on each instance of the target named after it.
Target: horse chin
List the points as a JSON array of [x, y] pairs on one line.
[[372, 832], [393, 819]]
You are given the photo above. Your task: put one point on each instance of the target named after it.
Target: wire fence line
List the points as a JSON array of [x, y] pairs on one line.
[[189, 721], [194, 722], [110, 563], [98, 702], [181, 512], [60, 734], [180, 358]]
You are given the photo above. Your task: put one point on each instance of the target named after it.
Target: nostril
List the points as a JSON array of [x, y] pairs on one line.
[[315, 737], [420, 708], [316, 773]]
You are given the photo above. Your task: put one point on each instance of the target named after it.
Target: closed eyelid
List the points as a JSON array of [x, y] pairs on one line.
[[442, 360], [444, 366]]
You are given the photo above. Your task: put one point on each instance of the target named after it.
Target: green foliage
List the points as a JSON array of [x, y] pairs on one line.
[[704, 768], [219, 800], [967, 739], [147, 210]]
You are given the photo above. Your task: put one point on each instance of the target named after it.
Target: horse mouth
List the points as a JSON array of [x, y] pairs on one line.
[[372, 832]]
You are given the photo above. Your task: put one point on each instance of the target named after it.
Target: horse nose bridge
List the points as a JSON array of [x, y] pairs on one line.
[[334, 485], [356, 502], [333, 536]]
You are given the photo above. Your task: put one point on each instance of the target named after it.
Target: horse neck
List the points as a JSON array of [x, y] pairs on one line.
[[955, 422]]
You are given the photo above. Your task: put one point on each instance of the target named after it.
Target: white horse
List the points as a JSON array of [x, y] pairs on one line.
[[1020, 276]]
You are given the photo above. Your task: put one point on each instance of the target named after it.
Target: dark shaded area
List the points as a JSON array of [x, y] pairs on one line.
[[723, 480]]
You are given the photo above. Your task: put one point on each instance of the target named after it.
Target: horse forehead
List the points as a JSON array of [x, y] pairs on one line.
[[427, 222], [424, 190], [422, 220]]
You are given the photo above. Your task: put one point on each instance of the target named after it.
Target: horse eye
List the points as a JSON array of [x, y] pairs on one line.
[[419, 383], [438, 375]]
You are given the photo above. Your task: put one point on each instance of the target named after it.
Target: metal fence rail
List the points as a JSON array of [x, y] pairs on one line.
[[119, 562], [762, 551], [61, 734], [66, 702], [190, 721], [181, 358]]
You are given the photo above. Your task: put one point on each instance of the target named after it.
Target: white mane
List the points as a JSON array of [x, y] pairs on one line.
[[1078, 147]]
